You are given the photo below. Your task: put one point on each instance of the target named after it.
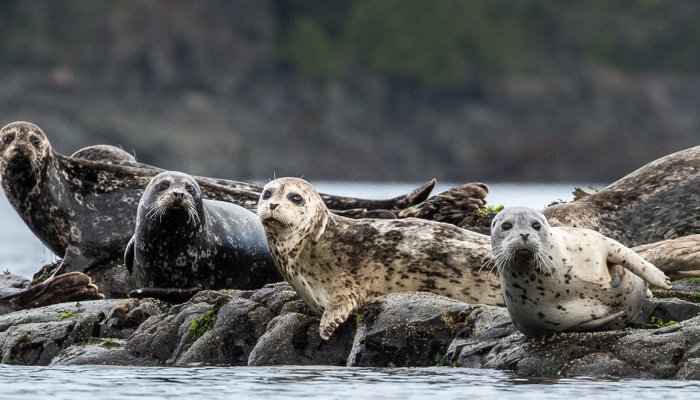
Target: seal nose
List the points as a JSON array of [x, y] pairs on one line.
[[524, 236], [273, 206], [178, 195]]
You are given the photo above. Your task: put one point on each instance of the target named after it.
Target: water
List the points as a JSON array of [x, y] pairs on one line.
[[22, 253], [315, 383]]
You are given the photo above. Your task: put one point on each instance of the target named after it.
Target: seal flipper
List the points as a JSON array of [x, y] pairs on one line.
[[451, 206], [338, 310], [129, 256], [619, 254], [595, 323], [73, 286], [73, 262], [416, 196]]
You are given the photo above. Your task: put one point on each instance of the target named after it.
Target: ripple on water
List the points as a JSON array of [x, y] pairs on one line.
[[310, 383]]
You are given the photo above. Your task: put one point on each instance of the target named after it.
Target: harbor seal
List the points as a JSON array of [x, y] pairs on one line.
[[656, 202], [183, 241], [566, 279], [337, 264], [84, 210], [105, 153]]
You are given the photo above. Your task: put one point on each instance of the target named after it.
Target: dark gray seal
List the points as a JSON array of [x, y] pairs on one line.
[[183, 241], [567, 279], [84, 210], [104, 153]]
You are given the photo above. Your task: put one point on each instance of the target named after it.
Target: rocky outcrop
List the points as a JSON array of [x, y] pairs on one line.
[[272, 326]]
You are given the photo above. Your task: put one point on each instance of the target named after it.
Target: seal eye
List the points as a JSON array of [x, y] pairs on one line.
[[163, 185], [8, 138], [266, 194], [536, 226], [35, 141], [295, 198], [506, 225], [190, 189]]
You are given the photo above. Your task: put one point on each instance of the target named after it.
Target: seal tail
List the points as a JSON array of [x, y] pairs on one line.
[[171, 295]]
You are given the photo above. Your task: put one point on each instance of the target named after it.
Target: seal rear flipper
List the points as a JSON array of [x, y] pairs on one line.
[[596, 323], [416, 196], [451, 206], [680, 255], [172, 295], [73, 286], [616, 253], [129, 256]]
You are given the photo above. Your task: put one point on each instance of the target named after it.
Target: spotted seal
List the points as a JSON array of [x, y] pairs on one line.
[[337, 264], [67, 200], [183, 241], [656, 202], [104, 153], [566, 279]]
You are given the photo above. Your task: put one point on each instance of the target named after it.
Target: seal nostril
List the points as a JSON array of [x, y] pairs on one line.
[[524, 235], [273, 206]]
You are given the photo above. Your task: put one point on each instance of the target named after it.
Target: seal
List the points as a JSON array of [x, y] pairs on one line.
[[337, 264], [566, 279], [183, 241], [67, 200], [105, 153], [656, 202]]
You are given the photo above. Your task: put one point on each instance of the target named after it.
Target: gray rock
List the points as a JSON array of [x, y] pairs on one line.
[[293, 339], [99, 352], [406, 329]]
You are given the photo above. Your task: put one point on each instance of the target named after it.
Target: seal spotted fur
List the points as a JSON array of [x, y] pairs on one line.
[[566, 279], [184, 241], [337, 264], [65, 200]]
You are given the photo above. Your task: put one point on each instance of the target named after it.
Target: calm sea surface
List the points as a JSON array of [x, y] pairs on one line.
[[22, 253]]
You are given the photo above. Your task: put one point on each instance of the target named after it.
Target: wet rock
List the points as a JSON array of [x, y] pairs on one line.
[[293, 339], [406, 329], [99, 352]]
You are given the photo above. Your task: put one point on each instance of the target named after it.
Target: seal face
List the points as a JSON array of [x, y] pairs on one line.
[[183, 241], [337, 264], [566, 279]]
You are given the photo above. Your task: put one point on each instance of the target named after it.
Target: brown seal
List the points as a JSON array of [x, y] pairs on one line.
[[337, 264]]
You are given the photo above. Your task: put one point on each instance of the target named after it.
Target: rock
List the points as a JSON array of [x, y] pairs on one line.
[[406, 329], [35, 336], [293, 339], [99, 352]]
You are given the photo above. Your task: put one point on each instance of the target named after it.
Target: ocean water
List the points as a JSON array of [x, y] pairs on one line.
[[22, 253]]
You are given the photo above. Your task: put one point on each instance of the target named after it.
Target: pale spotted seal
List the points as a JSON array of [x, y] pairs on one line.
[[566, 279], [84, 210], [337, 264], [183, 241]]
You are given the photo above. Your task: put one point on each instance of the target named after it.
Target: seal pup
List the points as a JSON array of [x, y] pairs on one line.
[[656, 202], [67, 200], [566, 279], [183, 241], [337, 264]]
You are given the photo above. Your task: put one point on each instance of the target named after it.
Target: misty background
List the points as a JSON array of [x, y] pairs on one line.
[[371, 90]]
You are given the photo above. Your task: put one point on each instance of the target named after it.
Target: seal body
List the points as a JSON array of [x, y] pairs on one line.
[[566, 279], [184, 241], [337, 264], [83, 208]]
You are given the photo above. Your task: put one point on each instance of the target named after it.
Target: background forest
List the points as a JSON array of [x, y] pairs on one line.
[[488, 90]]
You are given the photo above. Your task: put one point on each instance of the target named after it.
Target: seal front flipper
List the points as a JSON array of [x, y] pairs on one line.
[[129, 256], [73, 286], [595, 323], [338, 311], [619, 254]]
